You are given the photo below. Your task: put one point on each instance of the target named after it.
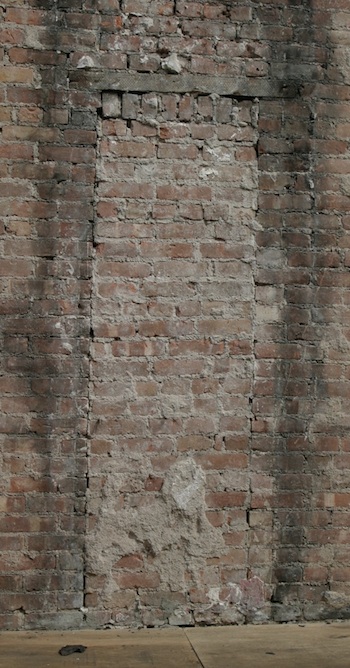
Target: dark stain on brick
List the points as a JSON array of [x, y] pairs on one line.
[[297, 369], [51, 313]]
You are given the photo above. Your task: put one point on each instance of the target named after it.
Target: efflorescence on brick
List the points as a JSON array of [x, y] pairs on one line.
[[174, 294]]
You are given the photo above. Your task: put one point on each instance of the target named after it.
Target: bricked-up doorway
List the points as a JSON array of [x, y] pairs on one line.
[[172, 316]]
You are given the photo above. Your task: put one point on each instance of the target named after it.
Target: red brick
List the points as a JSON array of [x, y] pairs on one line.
[[226, 499], [22, 75]]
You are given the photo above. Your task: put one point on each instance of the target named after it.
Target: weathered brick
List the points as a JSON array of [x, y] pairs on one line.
[[195, 335]]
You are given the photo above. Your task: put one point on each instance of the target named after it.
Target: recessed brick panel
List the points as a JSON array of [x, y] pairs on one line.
[[185, 282]]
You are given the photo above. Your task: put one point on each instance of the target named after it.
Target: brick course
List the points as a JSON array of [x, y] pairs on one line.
[[174, 295]]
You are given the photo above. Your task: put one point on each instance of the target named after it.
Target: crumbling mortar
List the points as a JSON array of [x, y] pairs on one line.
[[90, 358]]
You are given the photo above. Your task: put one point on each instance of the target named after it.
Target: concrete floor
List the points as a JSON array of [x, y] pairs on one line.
[[316, 645]]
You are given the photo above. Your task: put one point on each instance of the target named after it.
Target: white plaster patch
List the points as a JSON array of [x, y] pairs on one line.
[[172, 527], [186, 485], [85, 62], [207, 172], [172, 64]]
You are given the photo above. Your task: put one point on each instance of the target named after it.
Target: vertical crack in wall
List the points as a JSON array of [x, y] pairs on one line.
[[92, 297], [257, 578]]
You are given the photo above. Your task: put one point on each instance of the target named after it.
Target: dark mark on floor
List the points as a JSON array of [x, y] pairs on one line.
[[71, 649]]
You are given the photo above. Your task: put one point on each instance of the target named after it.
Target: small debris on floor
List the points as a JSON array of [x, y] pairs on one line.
[[71, 649]]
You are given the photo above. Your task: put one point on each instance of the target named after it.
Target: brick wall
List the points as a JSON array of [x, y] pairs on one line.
[[47, 186], [174, 193]]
